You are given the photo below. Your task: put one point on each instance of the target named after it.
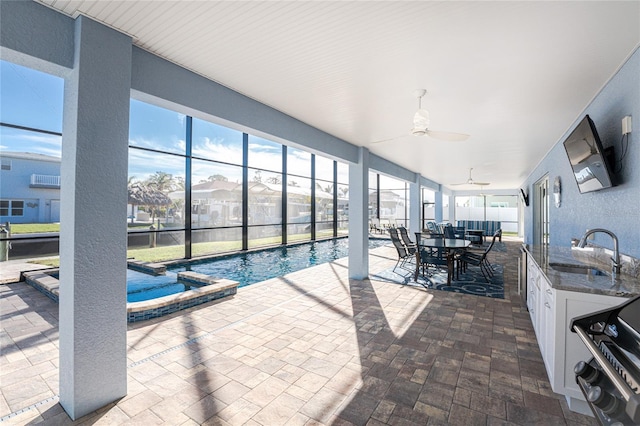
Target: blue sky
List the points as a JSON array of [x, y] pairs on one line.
[[34, 99], [31, 99]]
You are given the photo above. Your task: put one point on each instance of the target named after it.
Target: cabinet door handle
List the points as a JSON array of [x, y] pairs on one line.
[[532, 311], [547, 305], [549, 292]]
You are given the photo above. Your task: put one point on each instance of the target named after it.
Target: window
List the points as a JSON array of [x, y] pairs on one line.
[[471, 207], [428, 206], [298, 162], [12, 208], [393, 201], [216, 194], [17, 208], [216, 142], [31, 99], [373, 196], [503, 208], [156, 189], [264, 154], [343, 198], [156, 128], [298, 208], [235, 191], [324, 168], [31, 104], [265, 192], [445, 208]]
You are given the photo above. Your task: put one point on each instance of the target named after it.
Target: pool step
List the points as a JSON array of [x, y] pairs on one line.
[[191, 277], [147, 267], [44, 282], [206, 289]]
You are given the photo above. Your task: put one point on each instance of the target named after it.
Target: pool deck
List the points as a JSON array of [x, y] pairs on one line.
[[310, 348], [10, 270]]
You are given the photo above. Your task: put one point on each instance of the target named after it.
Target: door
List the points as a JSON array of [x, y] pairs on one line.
[[428, 213], [541, 212], [55, 211]]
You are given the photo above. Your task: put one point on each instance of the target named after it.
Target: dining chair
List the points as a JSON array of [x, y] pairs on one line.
[[449, 232], [404, 235], [436, 257], [479, 259], [404, 255], [432, 228]]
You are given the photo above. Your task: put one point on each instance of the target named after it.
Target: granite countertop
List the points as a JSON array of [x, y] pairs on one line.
[[589, 281]]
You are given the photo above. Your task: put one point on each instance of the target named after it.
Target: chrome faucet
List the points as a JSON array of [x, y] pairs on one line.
[[616, 254]]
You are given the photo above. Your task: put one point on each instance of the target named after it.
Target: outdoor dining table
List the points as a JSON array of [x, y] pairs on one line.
[[451, 244], [475, 235]]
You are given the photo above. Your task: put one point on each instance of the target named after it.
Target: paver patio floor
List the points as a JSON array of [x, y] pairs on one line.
[[310, 348]]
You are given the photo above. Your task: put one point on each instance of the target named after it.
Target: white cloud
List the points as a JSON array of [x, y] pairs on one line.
[[216, 149], [143, 164]]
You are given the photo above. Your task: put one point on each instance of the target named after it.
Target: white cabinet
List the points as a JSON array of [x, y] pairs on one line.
[[533, 289], [551, 312], [547, 320]]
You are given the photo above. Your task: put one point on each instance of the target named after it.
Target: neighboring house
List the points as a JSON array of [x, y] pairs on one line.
[[29, 188]]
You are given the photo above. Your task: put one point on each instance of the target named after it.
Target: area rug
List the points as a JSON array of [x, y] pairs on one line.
[[470, 282], [498, 246]]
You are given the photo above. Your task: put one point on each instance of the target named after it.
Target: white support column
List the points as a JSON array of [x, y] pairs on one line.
[[415, 206], [93, 237], [438, 206], [359, 216]]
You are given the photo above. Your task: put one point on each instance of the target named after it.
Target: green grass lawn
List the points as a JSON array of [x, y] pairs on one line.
[[34, 228], [37, 228], [166, 253]]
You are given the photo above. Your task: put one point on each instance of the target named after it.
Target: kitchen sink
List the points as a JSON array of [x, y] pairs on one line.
[[576, 269]]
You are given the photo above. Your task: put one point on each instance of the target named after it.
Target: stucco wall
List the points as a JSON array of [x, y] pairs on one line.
[[618, 208]]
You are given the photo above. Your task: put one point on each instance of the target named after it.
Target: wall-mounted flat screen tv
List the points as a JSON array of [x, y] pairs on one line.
[[585, 153]]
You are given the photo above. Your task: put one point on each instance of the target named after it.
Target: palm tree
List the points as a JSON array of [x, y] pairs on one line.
[[161, 182], [328, 189]]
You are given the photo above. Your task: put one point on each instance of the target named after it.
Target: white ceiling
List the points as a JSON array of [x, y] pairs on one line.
[[513, 75]]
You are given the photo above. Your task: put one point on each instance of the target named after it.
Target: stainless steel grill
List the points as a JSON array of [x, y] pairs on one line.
[[610, 381]]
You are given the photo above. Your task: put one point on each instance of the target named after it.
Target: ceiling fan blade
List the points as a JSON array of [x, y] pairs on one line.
[[385, 140], [470, 181], [448, 136]]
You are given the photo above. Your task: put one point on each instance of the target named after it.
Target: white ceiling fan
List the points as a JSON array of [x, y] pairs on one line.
[[470, 181], [421, 125]]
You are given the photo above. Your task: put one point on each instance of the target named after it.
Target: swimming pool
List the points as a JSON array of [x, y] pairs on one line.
[[188, 285], [253, 267]]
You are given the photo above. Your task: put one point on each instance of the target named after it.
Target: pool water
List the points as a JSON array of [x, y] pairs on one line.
[[250, 268], [142, 286], [245, 268]]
